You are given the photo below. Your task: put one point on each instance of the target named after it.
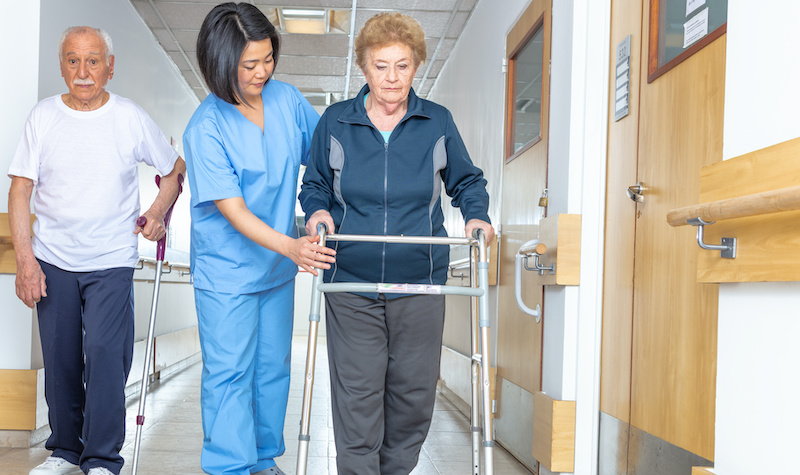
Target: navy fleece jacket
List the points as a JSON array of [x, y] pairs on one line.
[[390, 188]]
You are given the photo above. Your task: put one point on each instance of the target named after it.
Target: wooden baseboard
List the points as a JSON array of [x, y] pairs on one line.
[[554, 433], [18, 398]]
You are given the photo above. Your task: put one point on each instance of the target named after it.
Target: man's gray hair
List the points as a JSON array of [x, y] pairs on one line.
[[82, 29]]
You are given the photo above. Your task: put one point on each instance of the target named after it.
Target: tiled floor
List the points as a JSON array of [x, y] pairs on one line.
[[173, 435]]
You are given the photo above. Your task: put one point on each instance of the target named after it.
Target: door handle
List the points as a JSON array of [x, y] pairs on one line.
[[636, 192]]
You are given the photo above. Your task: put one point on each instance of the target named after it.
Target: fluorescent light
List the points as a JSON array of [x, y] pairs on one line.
[[295, 12]]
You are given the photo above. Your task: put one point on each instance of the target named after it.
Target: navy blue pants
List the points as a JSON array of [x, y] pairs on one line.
[[86, 329]]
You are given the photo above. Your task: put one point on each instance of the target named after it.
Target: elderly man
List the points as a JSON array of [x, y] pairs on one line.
[[81, 150]]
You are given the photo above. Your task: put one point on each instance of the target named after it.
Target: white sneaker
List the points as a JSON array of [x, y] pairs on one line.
[[56, 466], [100, 471]]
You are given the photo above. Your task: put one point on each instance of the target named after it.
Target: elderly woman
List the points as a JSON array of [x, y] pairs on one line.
[[244, 147], [377, 165]]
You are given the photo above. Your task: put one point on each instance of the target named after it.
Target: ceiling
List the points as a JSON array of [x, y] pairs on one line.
[[317, 64]]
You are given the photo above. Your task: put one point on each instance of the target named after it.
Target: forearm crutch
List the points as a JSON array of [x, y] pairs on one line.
[[480, 292], [161, 247]]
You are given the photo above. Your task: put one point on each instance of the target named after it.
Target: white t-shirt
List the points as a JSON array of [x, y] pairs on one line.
[[84, 166]]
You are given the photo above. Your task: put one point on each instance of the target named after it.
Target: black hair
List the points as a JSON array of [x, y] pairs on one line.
[[227, 29]]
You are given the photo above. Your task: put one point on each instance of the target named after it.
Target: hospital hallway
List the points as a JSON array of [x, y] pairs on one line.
[[173, 434], [636, 164]]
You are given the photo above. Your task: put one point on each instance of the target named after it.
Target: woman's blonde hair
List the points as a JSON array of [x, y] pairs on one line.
[[385, 29]]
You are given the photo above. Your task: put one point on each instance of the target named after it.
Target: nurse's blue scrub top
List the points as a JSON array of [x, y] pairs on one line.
[[228, 156]]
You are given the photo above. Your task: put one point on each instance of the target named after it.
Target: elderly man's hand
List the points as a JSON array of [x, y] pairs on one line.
[[154, 229], [30, 282], [474, 224]]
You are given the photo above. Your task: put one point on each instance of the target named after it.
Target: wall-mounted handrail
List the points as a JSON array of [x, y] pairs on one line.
[[150, 260], [535, 248], [774, 201], [183, 268]]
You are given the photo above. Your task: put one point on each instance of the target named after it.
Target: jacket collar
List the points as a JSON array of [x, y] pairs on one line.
[[356, 113]]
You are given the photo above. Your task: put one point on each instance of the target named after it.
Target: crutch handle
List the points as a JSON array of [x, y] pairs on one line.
[[161, 245]]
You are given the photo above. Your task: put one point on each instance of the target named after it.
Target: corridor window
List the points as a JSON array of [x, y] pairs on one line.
[[680, 28], [525, 72]]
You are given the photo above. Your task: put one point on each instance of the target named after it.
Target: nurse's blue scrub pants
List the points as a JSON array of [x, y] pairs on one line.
[[246, 345], [87, 314]]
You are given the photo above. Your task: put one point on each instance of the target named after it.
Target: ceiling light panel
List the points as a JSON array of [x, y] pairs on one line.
[[303, 14]]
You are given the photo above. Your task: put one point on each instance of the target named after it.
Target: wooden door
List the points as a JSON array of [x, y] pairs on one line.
[[659, 325], [519, 337]]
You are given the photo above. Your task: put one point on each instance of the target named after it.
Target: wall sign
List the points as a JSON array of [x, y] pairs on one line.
[[623, 80]]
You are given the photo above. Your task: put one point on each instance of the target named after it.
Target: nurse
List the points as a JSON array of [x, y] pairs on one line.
[[244, 146]]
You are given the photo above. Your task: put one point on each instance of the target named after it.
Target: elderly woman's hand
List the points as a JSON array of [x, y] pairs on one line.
[[319, 216], [474, 224]]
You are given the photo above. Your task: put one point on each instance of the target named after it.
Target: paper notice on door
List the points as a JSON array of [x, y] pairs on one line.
[[692, 5], [695, 28]]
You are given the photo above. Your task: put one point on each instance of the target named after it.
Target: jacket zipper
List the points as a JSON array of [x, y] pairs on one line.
[[385, 206]]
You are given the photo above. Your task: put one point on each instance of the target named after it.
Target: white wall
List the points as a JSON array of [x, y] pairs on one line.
[[762, 81], [757, 415], [757, 384], [143, 73], [19, 24]]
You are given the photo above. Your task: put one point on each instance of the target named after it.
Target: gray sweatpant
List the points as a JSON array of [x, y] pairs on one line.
[[384, 360]]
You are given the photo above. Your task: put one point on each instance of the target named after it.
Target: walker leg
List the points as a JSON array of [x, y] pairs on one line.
[[488, 431], [311, 356], [305, 418], [483, 303], [475, 413], [475, 418]]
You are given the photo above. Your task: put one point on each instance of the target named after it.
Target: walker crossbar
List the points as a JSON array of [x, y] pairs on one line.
[[480, 340], [416, 289], [455, 241]]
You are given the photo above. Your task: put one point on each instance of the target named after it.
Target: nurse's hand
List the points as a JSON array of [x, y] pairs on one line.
[[306, 253], [319, 216]]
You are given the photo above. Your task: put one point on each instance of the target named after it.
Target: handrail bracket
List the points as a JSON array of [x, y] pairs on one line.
[[727, 246], [537, 266]]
